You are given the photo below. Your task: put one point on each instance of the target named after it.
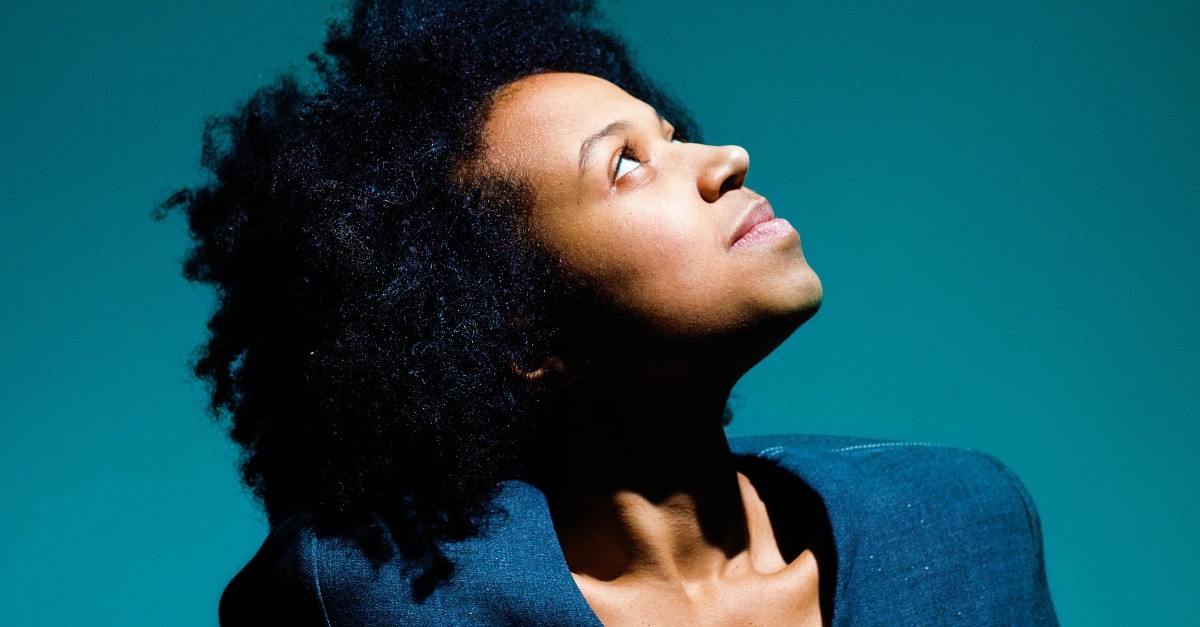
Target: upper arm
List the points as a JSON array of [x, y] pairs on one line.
[[1039, 585]]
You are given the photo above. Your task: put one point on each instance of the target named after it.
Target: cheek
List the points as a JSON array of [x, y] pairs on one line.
[[636, 245], [661, 265]]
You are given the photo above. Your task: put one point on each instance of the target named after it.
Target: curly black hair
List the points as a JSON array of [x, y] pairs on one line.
[[377, 293]]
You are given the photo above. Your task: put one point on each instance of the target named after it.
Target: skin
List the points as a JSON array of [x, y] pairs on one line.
[[654, 520]]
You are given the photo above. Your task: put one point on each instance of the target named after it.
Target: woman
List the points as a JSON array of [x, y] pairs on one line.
[[482, 299]]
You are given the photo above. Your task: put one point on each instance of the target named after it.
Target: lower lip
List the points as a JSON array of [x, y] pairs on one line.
[[765, 232]]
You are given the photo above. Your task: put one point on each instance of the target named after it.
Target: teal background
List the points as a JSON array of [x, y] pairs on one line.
[[1001, 198]]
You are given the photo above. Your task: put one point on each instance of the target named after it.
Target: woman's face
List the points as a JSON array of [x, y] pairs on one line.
[[662, 231]]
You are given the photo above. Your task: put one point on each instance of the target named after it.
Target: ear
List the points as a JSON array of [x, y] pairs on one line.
[[552, 375]]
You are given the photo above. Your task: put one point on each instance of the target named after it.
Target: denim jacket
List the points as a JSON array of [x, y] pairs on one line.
[[910, 534]]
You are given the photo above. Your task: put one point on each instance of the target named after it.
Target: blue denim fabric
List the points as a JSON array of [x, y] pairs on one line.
[[923, 535]]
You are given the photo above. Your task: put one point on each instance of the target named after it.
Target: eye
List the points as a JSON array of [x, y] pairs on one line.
[[625, 164]]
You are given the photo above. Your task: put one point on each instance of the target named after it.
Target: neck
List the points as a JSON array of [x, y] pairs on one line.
[[643, 482]]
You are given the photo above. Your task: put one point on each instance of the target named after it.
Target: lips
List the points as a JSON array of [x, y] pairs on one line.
[[759, 212]]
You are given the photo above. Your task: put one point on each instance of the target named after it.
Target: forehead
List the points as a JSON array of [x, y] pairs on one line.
[[542, 120]]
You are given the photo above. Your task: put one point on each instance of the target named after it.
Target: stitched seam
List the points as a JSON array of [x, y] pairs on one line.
[[771, 452], [1015, 484], [862, 447], [316, 570]]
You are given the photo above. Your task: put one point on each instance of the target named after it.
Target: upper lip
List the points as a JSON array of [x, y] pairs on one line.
[[758, 212]]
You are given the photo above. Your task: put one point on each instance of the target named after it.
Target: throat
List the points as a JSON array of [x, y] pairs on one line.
[[647, 490], [679, 537], [656, 522]]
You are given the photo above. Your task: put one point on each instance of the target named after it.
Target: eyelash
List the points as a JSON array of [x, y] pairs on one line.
[[628, 151]]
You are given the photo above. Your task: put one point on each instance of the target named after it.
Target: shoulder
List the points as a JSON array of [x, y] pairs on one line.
[[281, 582], [950, 533], [299, 577], [511, 573], [302, 578], [885, 474]]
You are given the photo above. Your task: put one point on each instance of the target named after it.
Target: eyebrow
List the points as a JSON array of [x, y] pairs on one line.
[[586, 149]]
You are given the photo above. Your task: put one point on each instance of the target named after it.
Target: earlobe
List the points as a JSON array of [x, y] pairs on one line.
[[552, 375]]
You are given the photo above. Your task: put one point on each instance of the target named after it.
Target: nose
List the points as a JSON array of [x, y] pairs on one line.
[[724, 169]]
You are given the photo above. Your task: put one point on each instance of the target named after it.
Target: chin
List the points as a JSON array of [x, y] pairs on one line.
[[803, 298], [812, 300], [793, 309]]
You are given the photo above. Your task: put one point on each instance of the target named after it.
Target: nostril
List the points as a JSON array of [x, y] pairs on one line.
[[732, 182], [724, 170]]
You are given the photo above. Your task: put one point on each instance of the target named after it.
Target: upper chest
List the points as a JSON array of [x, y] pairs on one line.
[[787, 597]]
